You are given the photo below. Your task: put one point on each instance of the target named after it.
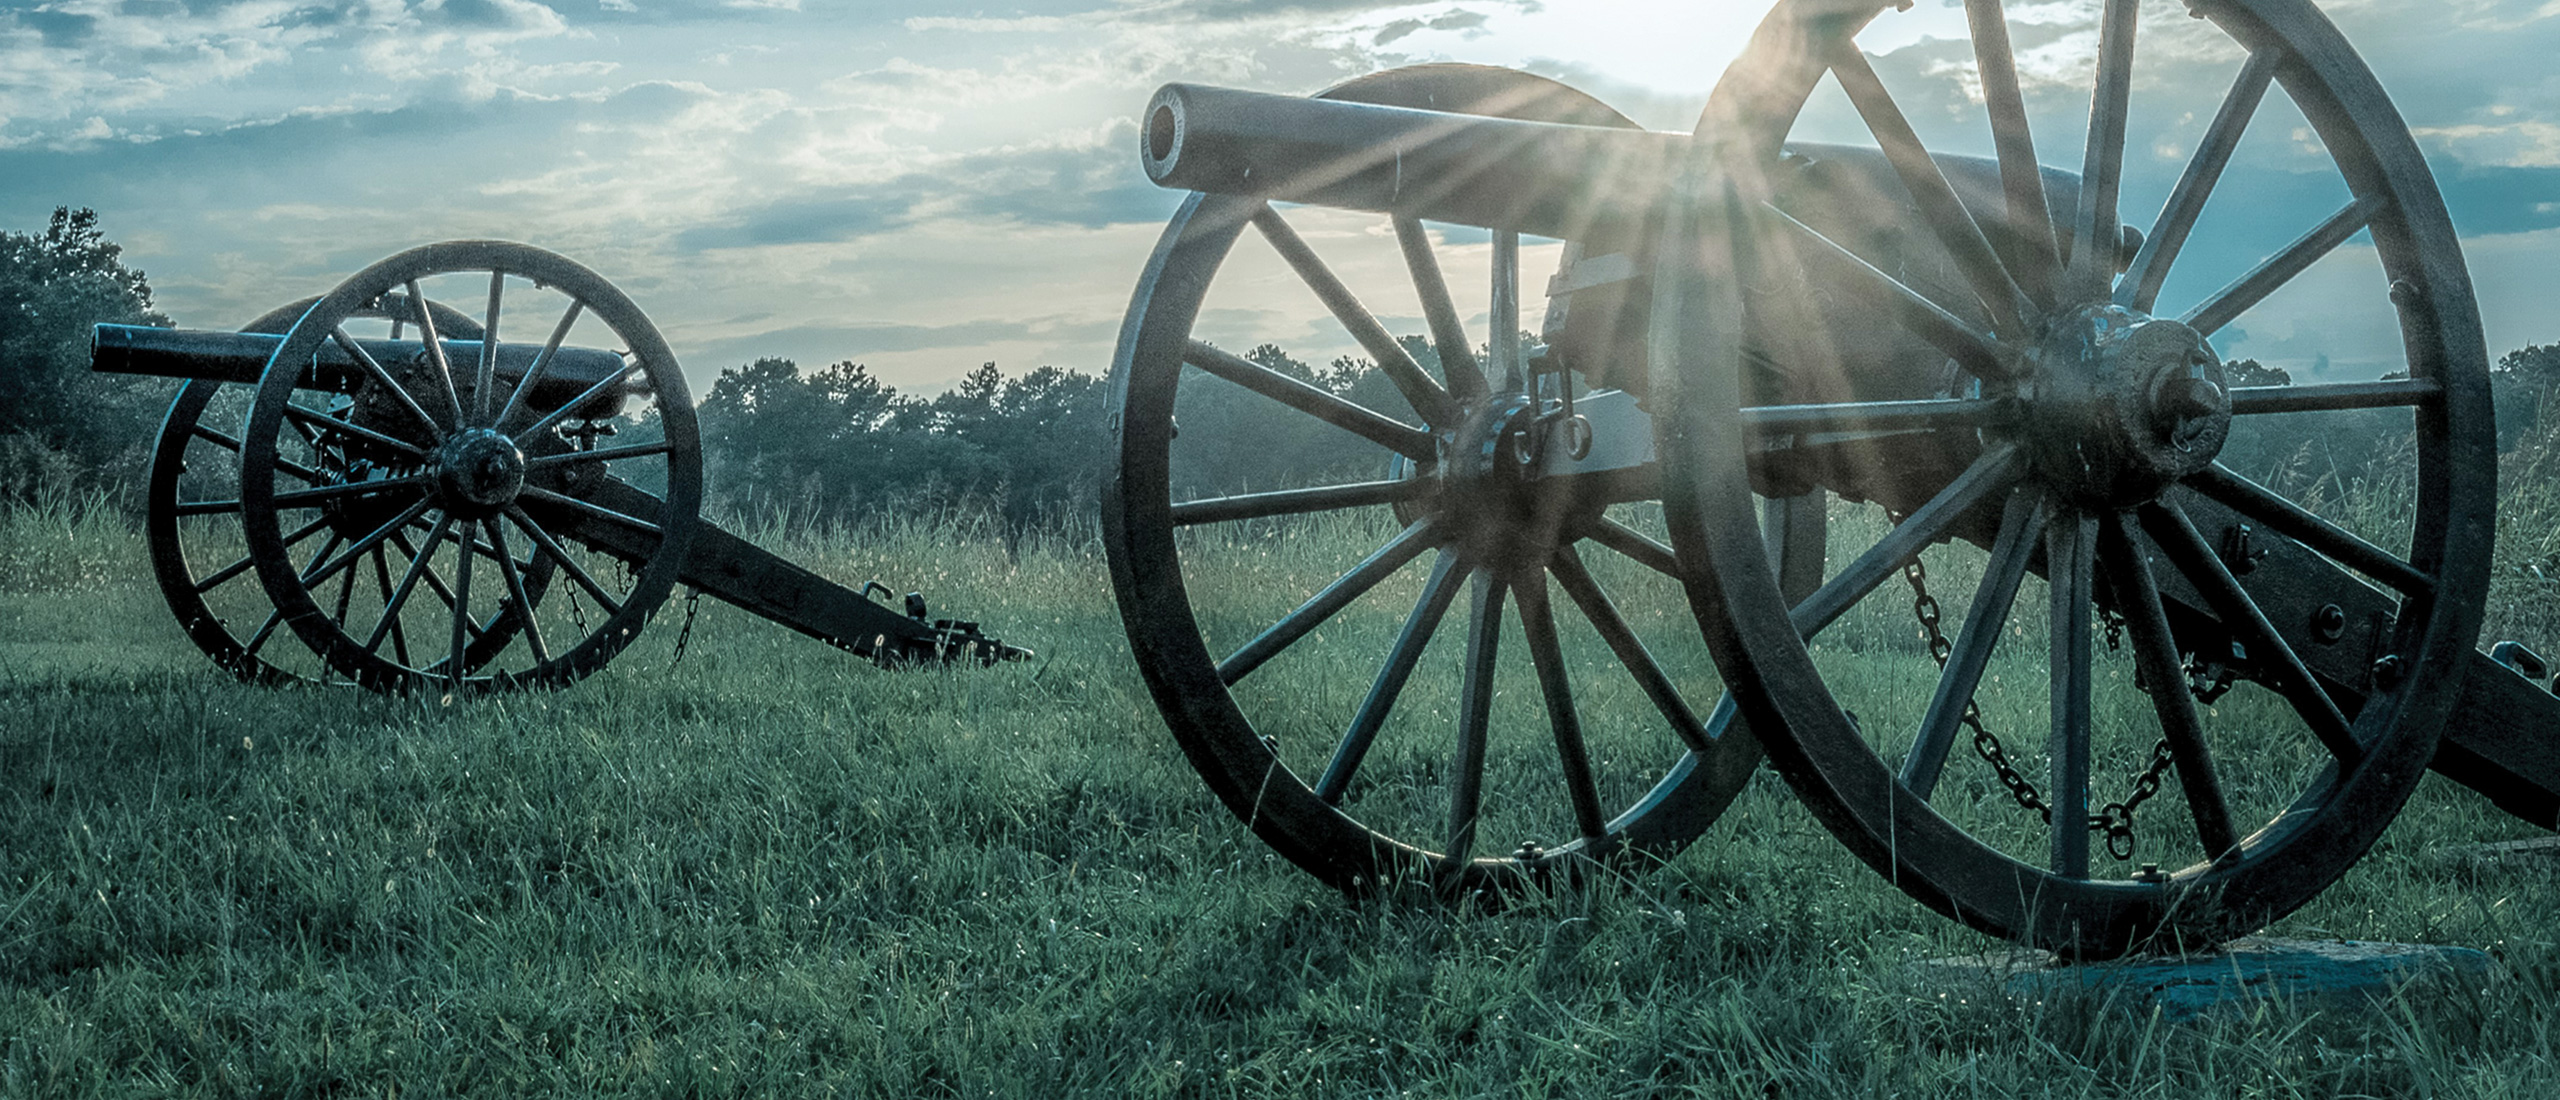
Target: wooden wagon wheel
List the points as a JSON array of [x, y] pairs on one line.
[[191, 510], [479, 479], [1338, 753], [2095, 425]]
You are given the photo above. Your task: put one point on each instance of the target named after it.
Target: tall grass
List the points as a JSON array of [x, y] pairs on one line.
[[770, 869]]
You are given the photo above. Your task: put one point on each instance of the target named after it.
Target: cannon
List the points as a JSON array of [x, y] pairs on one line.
[[427, 503], [1774, 378]]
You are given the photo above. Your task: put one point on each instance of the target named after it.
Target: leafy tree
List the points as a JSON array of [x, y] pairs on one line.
[[2250, 372], [54, 411]]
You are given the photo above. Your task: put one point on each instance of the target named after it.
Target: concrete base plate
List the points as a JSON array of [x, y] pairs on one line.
[[2328, 975]]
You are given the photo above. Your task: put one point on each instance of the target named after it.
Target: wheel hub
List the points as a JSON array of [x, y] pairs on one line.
[[2124, 405], [1495, 489], [478, 471]]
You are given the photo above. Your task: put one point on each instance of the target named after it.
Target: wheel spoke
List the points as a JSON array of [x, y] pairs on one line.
[[228, 443], [397, 597], [436, 359], [258, 638], [2095, 233], [541, 365], [2334, 396], [2021, 177], [1437, 594], [372, 539], [1475, 716], [1637, 546], [435, 584], [532, 530], [347, 591], [1937, 202], [1504, 320], [207, 507], [1350, 586], [1585, 592], [390, 610], [516, 591], [1448, 335], [1984, 622], [1379, 428], [2279, 269], [485, 379], [1873, 416], [1564, 720], [1429, 401], [2069, 552], [218, 439], [1979, 354], [2140, 288], [2186, 548], [313, 497], [2155, 651], [234, 446], [597, 511], [382, 378], [213, 580], [2289, 519], [1995, 472], [585, 396], [600, 454], [322, 423], [1298, 502], [462, 617]]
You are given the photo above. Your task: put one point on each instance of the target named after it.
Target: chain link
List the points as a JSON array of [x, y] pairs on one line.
[[684, 634], [2115, 820], [1925, 607]]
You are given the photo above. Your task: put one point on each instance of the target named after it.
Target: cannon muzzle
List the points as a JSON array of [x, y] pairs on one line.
[[242, 357]]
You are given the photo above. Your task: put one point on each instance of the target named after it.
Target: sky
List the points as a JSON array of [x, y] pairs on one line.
[[923, 187]]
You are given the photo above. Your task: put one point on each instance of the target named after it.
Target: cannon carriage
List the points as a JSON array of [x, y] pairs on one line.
[[422, 501], [1773, 378]]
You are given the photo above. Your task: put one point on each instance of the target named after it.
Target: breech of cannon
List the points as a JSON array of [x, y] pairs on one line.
[[242, 357]]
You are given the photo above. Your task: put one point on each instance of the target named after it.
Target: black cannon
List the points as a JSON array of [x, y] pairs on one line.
[[426, 503], [1773, 379]]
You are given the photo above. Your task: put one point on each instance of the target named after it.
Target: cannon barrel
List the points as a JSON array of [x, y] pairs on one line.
[[242, 357], [1594, 184], [1546, 178]]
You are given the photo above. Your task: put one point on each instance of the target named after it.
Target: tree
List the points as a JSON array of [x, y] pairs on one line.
[[54, 286], [2250, 372]]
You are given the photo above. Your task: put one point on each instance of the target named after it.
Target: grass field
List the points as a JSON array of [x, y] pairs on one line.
[[771, 869]]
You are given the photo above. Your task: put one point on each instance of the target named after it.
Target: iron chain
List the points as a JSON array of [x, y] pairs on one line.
[[684, 634], [2115, 820], [1925, 607]]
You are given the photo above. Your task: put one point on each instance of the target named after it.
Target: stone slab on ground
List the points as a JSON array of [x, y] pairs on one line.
[[2308, 975], [2540, 847]]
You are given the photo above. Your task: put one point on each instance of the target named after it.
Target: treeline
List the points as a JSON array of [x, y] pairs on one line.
[[836, 445]]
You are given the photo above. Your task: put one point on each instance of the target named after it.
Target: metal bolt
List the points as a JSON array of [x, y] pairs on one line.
[[1529, 852], [2388, 671], [2150, 874], [2329, 623]]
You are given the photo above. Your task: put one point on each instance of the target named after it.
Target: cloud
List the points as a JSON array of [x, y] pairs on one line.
[[1086, 186], [1454, 21], [855, 342]]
